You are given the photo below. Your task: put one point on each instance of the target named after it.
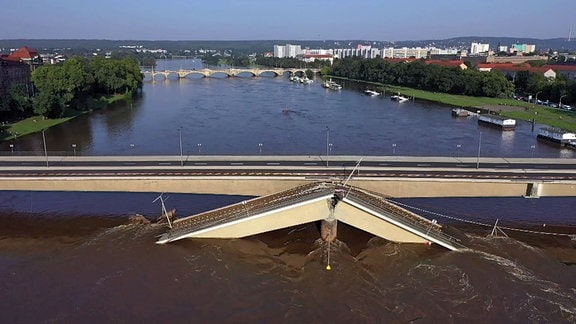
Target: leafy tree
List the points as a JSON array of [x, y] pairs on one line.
[[73, 83]]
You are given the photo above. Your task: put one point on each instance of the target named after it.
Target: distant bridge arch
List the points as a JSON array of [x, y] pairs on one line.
[[230, 72]]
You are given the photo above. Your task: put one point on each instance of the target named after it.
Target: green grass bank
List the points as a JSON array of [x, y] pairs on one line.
[[511, 108], [36, 124]]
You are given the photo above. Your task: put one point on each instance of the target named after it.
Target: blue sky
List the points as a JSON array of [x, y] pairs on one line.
[[286, 19]]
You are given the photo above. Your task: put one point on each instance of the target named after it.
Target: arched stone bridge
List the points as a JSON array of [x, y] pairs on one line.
[[230, 72]]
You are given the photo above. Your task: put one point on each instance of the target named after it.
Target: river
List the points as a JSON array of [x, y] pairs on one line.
[[72, 256]]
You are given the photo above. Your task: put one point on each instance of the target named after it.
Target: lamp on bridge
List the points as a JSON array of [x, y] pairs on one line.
[[560, 101], [45, 150], [199, 147], [327, 144], [12, 149], [181, 152], [394, 149], [479, 147], [74, 149], [260, 147]]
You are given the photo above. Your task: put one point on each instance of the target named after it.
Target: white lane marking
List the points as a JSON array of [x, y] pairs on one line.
[[383, 163], [236, 163], [423, 164], [200, 163], [272, 163], [502, 166], [164, 163], [310, 163]]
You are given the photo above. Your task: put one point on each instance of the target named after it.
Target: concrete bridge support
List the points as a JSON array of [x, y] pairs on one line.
[[534, 190], [329, 229]]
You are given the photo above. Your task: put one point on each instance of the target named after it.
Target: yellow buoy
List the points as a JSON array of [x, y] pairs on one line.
[[328, 268]]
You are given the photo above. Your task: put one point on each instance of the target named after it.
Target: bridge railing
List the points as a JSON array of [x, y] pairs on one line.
[[247, 209]]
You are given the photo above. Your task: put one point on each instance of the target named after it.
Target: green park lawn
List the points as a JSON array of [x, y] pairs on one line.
[[36, 124], [511, 108]]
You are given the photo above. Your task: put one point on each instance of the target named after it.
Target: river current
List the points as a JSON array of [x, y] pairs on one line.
[[81, 257]]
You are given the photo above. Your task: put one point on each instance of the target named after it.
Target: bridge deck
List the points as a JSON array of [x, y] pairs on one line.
[[404, 218], [190, 224]]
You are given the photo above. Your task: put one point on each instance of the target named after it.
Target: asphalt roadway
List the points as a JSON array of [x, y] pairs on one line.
[[263, 165]]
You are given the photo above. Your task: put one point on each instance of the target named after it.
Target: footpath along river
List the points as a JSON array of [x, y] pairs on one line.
[[70, 257]]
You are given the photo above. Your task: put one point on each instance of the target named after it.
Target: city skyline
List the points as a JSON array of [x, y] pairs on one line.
[[294, 20]]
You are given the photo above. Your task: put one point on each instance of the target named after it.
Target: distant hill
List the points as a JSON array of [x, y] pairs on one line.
[[558, 44], [249, 46]]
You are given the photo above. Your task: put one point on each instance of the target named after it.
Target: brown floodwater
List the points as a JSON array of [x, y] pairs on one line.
[[99, 269]]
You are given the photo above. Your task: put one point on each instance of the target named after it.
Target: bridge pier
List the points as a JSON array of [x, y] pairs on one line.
[[329, 229], [534, 190]]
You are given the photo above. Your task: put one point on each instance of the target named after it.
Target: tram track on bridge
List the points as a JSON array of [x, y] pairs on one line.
[[311, 173]]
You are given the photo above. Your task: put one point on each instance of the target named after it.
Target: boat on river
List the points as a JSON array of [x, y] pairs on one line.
[[398, 98], [305, 80], [371, 93], [557, 137], [329, 84], [459, 112], [502, 123]]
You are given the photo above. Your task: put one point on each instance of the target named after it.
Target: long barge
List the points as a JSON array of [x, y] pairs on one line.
[[557, 137], [504, 124]]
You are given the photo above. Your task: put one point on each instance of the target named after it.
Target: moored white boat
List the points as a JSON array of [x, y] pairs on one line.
[[399, 98], [459, 112], [329, 84], [305, 80], [497, 122], [371, 93], [557, 137]]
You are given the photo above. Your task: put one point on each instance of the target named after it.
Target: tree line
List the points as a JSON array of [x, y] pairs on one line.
[[418, 74], [78, 84], [531, 83]]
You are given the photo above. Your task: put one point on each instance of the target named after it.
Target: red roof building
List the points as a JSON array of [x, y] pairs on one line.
[[25, 53], [401, 60], [549, 71], [453, 63], [13, 72]]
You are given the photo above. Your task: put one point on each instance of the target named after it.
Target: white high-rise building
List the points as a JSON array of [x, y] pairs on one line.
[[287, 50], [279, 51], [477, 48], [293, 50]]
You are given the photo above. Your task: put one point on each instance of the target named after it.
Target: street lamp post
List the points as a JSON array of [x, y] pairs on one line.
[[132, 148], [536, 99], [394, 149], [12, 149], [479, 146], [458, 146], [260, 147], [560, 101], [329, 151], [181, 152], [327, 144], [199, 147], [74, 149], [532, 147], [45, 150]]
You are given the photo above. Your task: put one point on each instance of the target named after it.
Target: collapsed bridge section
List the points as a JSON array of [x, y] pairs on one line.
[[321, 201]]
